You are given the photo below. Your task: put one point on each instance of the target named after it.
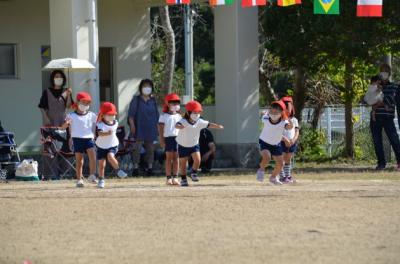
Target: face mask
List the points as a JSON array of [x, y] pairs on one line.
[[83, 108], [58, 81], [384, 75], [275, 117], [174, 108], [109, 118], [194, 117], [146, 90]]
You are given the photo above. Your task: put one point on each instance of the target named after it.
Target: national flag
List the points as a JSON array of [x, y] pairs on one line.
[[178, 2], [288, 2], [369, 8], [221, 2], [250, 3], [326, 7]]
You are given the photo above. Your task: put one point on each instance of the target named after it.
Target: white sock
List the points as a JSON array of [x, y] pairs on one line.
[[287, 169]]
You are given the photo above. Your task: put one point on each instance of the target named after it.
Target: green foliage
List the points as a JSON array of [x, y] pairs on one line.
[[311, 145]]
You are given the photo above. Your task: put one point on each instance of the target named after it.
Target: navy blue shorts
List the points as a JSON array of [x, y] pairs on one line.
[[275, 150], [170, 144], [102, 153], [187, 152], [82, 144], [291, 149]]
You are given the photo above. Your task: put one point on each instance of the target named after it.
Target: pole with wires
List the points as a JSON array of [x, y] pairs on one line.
[[188, 25]]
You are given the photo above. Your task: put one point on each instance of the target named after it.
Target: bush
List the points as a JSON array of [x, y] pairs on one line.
[[312, 145]]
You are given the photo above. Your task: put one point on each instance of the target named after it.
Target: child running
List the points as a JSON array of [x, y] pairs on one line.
[[82, 125], [168, 133], [289, 142], [275, 122], [107, 141], [188, 139]]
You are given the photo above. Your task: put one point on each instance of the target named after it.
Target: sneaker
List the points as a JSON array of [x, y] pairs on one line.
[[101, 183], [121, 174], [260, 175], [169, 181], [287, 180], [194, 177], [92, 179], [380, 167], [79, 183], [175, 181], [275, 180], [184, 183]]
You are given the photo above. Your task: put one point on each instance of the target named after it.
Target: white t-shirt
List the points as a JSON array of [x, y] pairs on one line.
[[82, 126], [290, 133], [169, 122], [373, 95], [272, 133], [106, 142], [189, 136]]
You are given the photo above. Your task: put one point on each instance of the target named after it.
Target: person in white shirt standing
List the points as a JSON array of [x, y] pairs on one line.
[[289, 142], [275, 122], [107, 141], [188, 139], [82, 124], [168, 133]]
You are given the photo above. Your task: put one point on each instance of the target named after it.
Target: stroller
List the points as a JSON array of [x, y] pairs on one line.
[[9, 156], [124, 150], [57, 154]]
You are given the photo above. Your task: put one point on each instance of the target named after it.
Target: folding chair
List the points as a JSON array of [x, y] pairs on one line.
[[57, 147], [125, 149], [9, 156]]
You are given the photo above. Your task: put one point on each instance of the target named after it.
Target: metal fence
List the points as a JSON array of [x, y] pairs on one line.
[[332, 122]]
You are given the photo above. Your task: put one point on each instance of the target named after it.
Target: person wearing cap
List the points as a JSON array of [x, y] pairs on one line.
[[107, 141], [53, 105], [143, 122], [188, 139], [168, 133], [275, 122], [289, 142], [82, 124]]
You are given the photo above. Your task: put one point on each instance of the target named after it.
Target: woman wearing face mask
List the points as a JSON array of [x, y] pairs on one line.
[[188, 139], [382, 117], [275, 122], [143, 122], [53, 105]]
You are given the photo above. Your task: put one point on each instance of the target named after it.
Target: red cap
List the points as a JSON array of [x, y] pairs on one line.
[[172, 97], [280, 103], [287, 99], [83, 96], [108, 108], [194, 106]]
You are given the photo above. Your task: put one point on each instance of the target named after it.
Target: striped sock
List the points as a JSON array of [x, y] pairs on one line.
[[281, 174], [287, 170]]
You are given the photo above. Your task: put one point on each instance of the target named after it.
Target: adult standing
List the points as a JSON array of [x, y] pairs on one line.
[[143, 118], [54, 103], [384, 118]]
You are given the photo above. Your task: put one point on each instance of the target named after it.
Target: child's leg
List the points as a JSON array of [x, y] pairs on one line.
[[265, 158], [182, 167], [102, 166], [92, 160], [196, 160], [168, 163], [175, 163], [287, 166], [278, 165], [112, 160], [78, 165]]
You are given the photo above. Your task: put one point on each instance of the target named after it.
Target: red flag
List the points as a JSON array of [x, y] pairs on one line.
[[177, 2], [250, 3], [369, 8]]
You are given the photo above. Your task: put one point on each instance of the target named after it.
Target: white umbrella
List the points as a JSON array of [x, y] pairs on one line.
[[69, 64]]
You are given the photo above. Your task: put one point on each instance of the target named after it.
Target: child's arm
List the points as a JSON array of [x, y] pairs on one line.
[[215, 126], [289, 125], [179, 126], [65, 125], [296, 135], [286, 141], [103, 134], [161, 133]]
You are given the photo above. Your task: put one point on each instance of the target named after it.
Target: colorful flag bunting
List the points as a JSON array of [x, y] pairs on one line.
[[288, 2], [177, 2], [369, 8], [326, 7], [221, 2], [250, 3]]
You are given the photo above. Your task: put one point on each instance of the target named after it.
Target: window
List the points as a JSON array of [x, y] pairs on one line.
[[8, 61]]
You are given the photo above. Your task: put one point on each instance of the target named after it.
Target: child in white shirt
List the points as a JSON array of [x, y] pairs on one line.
[[275, 122], [289, 142], [188, 139], [82, 124], [107, 141], [168, 133]]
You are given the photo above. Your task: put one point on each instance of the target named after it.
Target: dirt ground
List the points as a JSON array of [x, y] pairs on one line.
[[329, 218]]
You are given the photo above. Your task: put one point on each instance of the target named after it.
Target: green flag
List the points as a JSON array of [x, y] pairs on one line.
[[326, 7]]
